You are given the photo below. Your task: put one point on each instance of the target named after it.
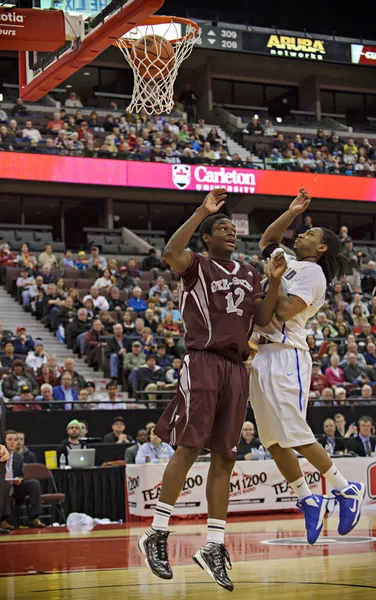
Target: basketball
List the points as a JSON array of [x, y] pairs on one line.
[[154, 56]]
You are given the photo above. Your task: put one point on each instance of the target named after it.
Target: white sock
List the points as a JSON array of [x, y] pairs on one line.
[[162, 516], [301, 488], [336, 479], [216, 531]]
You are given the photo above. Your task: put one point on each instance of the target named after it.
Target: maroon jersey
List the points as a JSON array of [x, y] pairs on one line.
[[216, 304]]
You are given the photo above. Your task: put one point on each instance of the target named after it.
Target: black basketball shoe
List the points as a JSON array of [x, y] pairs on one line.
[[213, 558], [153, 546]]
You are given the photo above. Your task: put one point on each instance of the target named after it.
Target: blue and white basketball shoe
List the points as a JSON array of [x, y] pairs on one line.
[[350, 500], [314, 508]]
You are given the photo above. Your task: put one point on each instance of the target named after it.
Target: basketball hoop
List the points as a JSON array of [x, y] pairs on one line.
[[155, 74]]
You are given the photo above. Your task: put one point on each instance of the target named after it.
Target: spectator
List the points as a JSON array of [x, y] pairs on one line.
[[73, 101], [100, 302], [189, 100], [56, 123], [136, 303], [24, 259], [340, 396], [26, 397], [326, 399], [46, 391], [22, 343], [132, 269], [117, 436], [169, 325], [353, 372], [269, 130], [3, 115], [124, 280], [19, 109], [366, 394], [27, 455], [67, 262], [318, 381], [94, 254], [340, 422], [48, 277], [105, 281], [352, 267], [47, 257], [31, 133], [131, 452], [334, 373], [161, 288], [9, 356], [315, 330], [115, 304], [72, 441], [255, 127], [81, 262], [80, 325], [78, 382], [6, 139], [24, 283], [306, 225], [117, 346], [84, 404], [35, 359], [154, 451], [94, 345], [363, 444], [172, 375], [151, 261], [134, 359], [112, 402], [248, 442], [65, 392], [151, 377], [18, 488], [169, 308], [94, 271], [329, 440], [368, 279], [370, 354], [163, 359], [46, 376]]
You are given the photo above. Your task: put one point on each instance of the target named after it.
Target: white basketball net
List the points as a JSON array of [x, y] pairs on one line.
[[153, 89]]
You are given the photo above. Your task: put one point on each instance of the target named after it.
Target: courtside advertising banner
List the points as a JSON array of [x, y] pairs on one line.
[[31, 29], [254, 486], [199, 178], [363, 55]]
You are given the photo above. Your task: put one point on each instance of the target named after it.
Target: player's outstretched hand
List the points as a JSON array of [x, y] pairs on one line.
[[214, 201], [300, 204], [277, 265]]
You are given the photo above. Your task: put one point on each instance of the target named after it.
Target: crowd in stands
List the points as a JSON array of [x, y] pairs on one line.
[[318, 154], [172, 140]]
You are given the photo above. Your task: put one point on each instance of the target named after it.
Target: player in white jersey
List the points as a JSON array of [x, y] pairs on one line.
[[281, 370]]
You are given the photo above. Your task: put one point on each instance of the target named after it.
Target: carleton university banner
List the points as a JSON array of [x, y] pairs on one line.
[[254, 486], [199, 178]]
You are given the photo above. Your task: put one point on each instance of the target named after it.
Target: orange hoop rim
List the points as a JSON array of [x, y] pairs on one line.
[[161, 20]]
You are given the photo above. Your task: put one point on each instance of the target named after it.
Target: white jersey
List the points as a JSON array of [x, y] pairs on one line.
[[306, 280]]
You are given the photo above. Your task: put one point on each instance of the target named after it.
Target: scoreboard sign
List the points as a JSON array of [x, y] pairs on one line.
[[274, 44]]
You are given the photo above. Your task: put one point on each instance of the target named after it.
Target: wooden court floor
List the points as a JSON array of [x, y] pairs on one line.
[[270, 556]]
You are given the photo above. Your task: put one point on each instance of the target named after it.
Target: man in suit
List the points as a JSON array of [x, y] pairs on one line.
[[65, 391], [130, 453], [331, 438], [4, 455], [18, 487], [363, 444], [117, 345]]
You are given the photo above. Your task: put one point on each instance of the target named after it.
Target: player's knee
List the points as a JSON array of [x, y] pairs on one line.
[[221, 463], [187, 455]]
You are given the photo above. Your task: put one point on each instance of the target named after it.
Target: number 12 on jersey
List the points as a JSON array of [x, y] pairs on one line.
[[233, 306]]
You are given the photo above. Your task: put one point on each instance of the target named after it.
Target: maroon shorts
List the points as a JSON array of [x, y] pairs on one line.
[[209, 408]]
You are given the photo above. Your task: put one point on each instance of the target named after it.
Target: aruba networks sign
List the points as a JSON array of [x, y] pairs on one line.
[[200, 178]]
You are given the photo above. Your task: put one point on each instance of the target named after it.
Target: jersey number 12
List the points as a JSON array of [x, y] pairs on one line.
[[234, 306]]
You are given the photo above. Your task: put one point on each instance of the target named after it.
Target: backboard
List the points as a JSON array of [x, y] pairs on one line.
[[39, 72]]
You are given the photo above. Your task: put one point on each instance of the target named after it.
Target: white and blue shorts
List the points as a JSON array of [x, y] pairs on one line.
[[279, 391]]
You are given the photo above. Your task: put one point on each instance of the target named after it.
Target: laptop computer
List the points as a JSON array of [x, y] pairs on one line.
[[82, 459]]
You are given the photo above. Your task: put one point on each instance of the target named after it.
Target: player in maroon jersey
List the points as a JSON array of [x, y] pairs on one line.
[[219, 301]]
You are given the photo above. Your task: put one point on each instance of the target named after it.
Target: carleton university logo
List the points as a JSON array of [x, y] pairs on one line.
[[181, 176]]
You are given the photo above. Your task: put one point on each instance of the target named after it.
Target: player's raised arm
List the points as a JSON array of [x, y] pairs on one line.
[[274, 233], [264, 307], [175, 253]]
